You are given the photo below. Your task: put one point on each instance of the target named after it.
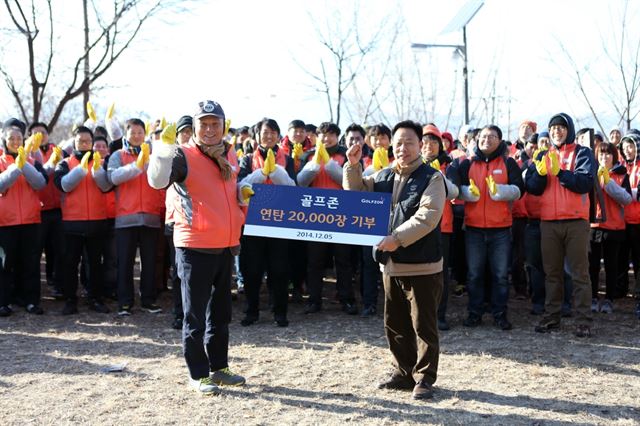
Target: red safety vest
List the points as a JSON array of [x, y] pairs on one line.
[[632, 211], [209, 216], [257, 162], [487, 213], [557, 202], [446, 224], [19, 204], [49, 195], [110, 201], [322, 179], [136, 195], [85, 201], [614, 211]]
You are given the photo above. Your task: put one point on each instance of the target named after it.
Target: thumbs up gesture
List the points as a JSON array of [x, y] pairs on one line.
[[555, 162], [168, 134], [21, 158], [143, 157], [491, 184], [380, 158], [297, 151], [97, 161], [473, 188], [269, 164], [84, 163], [33, 143], [322, 156]]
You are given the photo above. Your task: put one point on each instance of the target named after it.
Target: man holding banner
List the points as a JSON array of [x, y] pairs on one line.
[[410, 255]]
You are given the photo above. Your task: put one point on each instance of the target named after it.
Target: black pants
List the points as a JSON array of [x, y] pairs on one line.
[[20, 264], [459, 263], [411, 326], [127, 240], [92, 246], [370, 277], [52, 242], [629, 250], [260, 254], [206, 299], [316, 257], [444, 299], [607, 249], [297, 263], [518, 274], [176, 286]]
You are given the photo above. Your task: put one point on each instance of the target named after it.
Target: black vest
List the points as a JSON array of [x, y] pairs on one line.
[[428, 248]]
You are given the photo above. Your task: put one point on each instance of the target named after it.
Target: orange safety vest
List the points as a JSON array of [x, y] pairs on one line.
[[136, 195], [487, 213], [19, 204], [614, 211], [85, 201], [632, 210], [518, 208], [322, 179], [207, 214], [557, 202], [257, 162], [446, 224], [49, 195], [110, 201]]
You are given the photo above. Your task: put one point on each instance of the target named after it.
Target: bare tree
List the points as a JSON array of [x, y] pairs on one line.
[[116, 25]]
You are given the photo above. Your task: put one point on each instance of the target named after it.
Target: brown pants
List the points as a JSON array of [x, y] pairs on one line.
[[411, 325], [561, 241]]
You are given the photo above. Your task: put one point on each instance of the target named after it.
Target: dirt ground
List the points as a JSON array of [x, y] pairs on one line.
[[322, 369]]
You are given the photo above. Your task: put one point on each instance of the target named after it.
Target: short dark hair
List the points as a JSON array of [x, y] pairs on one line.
[[493, 128], [100, 130], [296, 124], [607, 148], [328, 127], [354, 127], [408, 124], [380, 129], [38, 124], [135, 122], [100, 138], [270, 123], [82, 129], [310, 128]]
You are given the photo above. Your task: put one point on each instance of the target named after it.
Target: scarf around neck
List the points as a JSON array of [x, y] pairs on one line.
[[217, 153]]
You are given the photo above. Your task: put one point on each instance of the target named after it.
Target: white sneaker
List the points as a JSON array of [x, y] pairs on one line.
[[204, 385]]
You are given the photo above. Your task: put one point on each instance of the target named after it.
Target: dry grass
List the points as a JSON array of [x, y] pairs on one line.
[[320, 370]]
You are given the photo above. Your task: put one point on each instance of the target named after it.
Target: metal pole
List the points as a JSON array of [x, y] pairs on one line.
[[465, 75]]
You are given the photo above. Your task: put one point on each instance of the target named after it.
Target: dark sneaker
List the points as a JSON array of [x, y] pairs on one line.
[[459, 290], [225, 377], [398, 382], [583, 330], [472, 320], [369, 311], [296, 296], [204, 385], [248, 320], [443, 325], [546, 325], [312, 308], [638, 310], [99, 307], [503, 323], [422, 390], [281, 320], [124, 311], [34, 309], [350, 308], [152, 308], [177, 323], [5, 311], [70, 308]]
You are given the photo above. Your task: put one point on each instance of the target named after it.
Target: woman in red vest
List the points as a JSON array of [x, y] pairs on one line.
[[269, 165], [82, 180], [607, 237], [20, 180]]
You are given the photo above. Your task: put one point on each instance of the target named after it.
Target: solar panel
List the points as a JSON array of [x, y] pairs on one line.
[[464, 15]]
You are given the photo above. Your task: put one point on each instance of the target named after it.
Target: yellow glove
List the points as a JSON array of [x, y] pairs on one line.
[[163, 123], [246, 193], [56, 155], [110, 111], [269, 164], [227, 126], [380, 159], [537, 152], [297, 151], [473, 189], [322, 156], [21, 158], [143, 157], [555, 162], [147, 128], [603, 175], [239, 153], [84, 163], [491, 184], [541, 166], [168, 134], [33, 143], [97, 161], [91, 113], [435, 164]]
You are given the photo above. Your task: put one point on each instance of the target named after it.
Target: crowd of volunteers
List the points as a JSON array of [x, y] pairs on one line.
[[539, 217]]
